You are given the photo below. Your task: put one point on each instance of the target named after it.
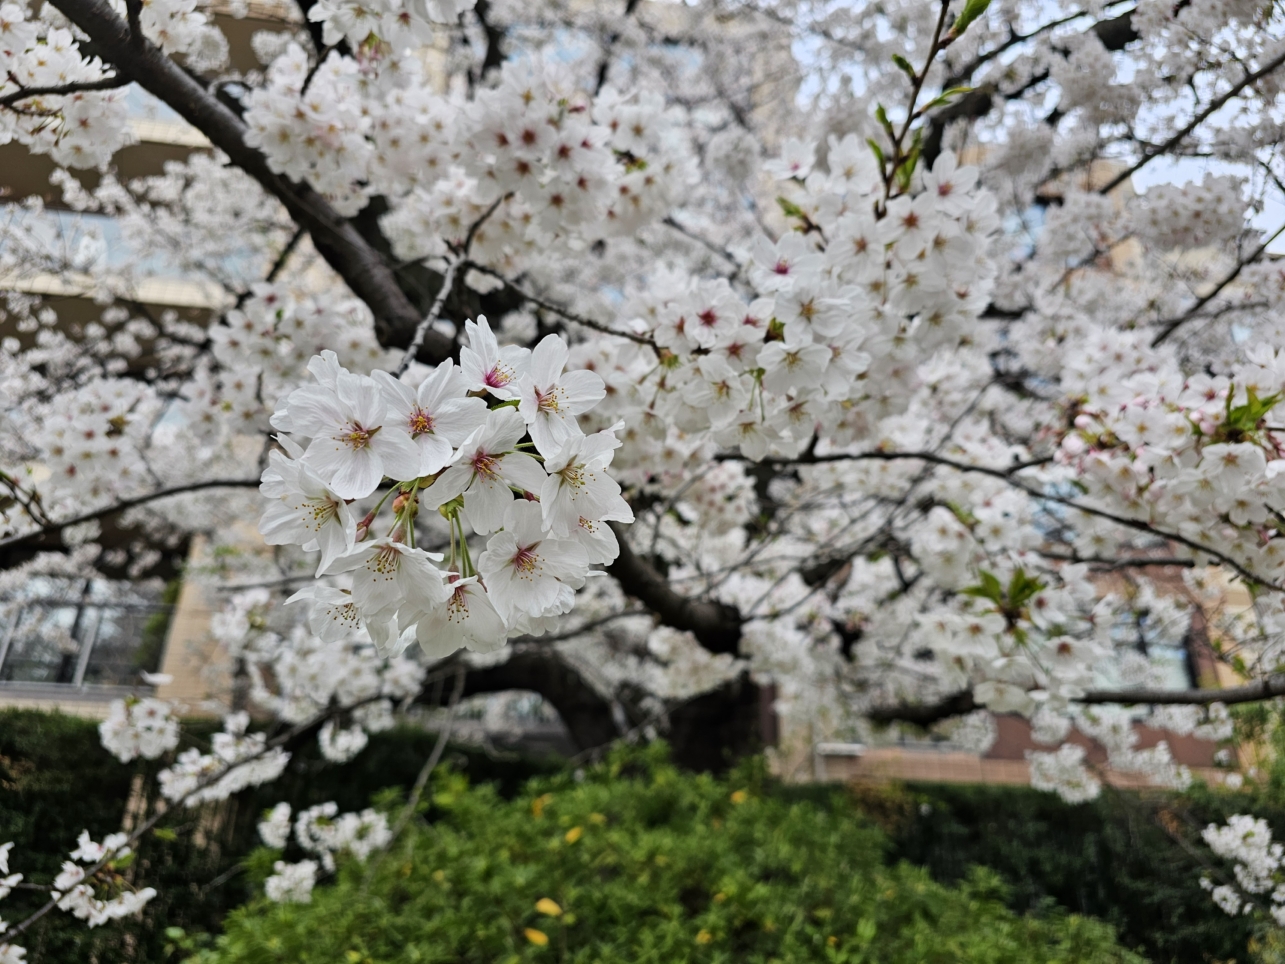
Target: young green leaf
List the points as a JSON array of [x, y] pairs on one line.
[[905, 67], [972, 10]]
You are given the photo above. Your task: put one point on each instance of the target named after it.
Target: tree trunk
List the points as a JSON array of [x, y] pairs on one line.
[[708, 733]]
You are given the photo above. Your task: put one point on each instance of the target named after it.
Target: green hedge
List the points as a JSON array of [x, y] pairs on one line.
[[643, 863], [1132, 860]]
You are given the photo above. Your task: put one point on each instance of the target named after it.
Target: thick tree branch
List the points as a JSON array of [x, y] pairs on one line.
[[345, 249], [926, 714], [715, 625], [587, 715]]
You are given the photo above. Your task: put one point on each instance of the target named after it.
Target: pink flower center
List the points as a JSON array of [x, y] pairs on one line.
[[548, 401], [486, 465], [499, 376], [358, 437], [525, 560], [420, 422]]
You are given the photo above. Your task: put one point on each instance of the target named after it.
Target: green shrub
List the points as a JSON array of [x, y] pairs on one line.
[[1132, 860], [646, 864]]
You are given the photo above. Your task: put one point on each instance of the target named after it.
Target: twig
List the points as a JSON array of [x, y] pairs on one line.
[[1172, 325], [448, 284], [1213, 107], [558, 309], [439, 747], [1007, 476], [421, 330], [124, 504], [61, 90]]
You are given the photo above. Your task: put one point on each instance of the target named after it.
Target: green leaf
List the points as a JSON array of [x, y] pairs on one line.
[[1022, 588], [904, 64], [989, 588], [881, 116], [972, 10], [1245, 418], [790, 209], [906, 169], [945, 97], [165, 833], [878, 152]]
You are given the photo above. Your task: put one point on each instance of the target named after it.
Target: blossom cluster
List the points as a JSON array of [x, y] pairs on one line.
[[552, 161], [322, 832], [395, 25], [77, 130], [1194, 456], [135, 728], [75, 890], [1247, 842], [445, 449], [236, 760], [1192, 215], [9, 953]]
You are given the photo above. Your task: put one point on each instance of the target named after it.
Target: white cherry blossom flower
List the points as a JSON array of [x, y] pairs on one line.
[[486, 366], [551, 398], [354, 445], [526, 572], [437, 415], [306, 512], [468, 619], [487, 464], [579, 488], [388, 574]]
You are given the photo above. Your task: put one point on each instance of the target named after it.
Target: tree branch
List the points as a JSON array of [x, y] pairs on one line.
[[558, 309], [958, 704], [1212, 108], [352, 256], [61, 90], [121, 506], [1173, 324], [715, 625]]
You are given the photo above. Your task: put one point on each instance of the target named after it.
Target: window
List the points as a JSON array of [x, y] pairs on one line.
[[82, 632]]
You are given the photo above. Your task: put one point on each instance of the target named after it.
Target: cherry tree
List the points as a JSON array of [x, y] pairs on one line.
[[670, 362]]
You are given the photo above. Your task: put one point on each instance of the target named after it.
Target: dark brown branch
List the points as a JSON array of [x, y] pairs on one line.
[[715, 625], [1264, 689], [926, 714], [961, 703], [1173, 324], [588, 715], [336, 239], [62, 90], [1211, 108], [123, 505]]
